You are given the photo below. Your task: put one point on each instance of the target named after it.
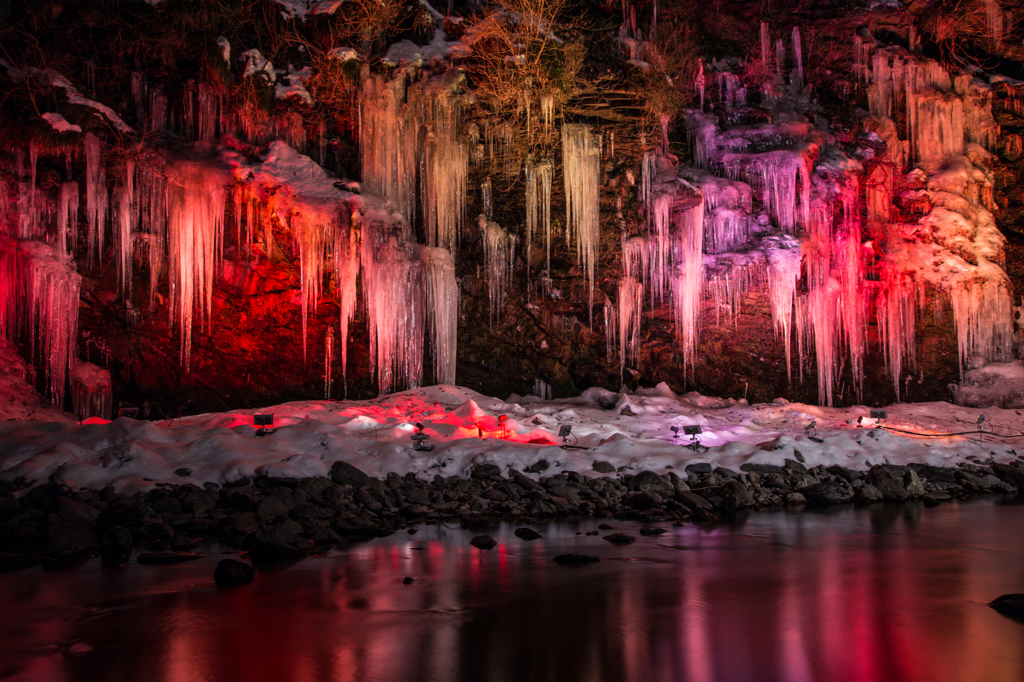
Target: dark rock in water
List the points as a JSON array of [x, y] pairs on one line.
[[603, 468], [651, 531], [16, 562], [271, 508], [648, 481], [692, 501], [484, 542], [699, 468], [762, 468], [277, 543], [166, 558], [527, 534], [934, 474], [1010, 605], [843, 472], [344, 473], [741, 497], [234, 527], [620, 539], [484, 471], [73, 511], [605, 526], [1009, 474], [68, 539], [525, 482], [868, 493], [888, 482], [794, 466], [408, 580], [931, 501], [827, 493], [325, 537], [576, 559], [232, 572], [183, 543]]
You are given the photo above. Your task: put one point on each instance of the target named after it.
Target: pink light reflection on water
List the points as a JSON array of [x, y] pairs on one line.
[[885, 594]]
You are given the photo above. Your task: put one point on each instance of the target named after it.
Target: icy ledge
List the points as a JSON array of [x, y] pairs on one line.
[[467, 430]]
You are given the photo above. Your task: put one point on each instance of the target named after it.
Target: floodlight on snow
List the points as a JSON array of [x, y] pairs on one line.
[[811, 431], [129, 412], [879, 415], [262, 421], [419, 440], [675, 432], [501, 423], [981, 418], [565, 432], [694, 431]]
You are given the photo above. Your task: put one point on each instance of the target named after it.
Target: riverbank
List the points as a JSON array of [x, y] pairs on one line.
[[277, 519]]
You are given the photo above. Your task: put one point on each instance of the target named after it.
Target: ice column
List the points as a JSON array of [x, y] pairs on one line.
[[581, 163], [442, 310], [499, 252], [631, 296], [91, 391]]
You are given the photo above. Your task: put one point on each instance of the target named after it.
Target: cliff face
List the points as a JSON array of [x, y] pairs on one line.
[[816, 202]]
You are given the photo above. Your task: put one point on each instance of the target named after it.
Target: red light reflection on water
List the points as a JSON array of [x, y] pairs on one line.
[[850, 596]]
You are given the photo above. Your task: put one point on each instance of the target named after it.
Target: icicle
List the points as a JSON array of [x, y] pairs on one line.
[[195, 231], [545, 171], [798, 61], [499, 252], [764, 43], [346, 269], [542, 389], [91, 391], [610, 317], [67, 221], [33, 210], [328, 361], [938, 127], [388, 141], [631, 296], [39, 294], [994, 20], [442, 294], [782, 176], [547, 110], [126, 217], [138, 82], [446, 166], [912, 39], [157, 110], [532, 209], [688, 279], [394, 296], [95, 198], [486, 196], [780, 57], [581, 161], [698, 82]]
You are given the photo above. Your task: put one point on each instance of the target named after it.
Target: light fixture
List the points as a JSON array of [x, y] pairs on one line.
[[879, 415], [694, 431], [419, 440], [262, 421]]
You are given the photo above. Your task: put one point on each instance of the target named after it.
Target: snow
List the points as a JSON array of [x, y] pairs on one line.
[[465, 427], [343, 54], [256, 63], [75, 97], [300, 9], [999, 384], [417, 55], [296, 87], [60, 124]]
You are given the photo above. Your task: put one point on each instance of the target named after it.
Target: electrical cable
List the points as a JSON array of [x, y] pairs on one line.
[[946, 435]]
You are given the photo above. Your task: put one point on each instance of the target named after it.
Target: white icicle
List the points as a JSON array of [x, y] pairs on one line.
[[631, 296], [581, 163], [442, 295], [499, 254]]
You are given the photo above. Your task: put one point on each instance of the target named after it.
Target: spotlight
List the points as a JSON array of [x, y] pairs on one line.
[[501, 422], [694, 431], [129, 412], [419, 440], [811, 431], [262, 421], [675, 432], [981, 418], [879, 415]]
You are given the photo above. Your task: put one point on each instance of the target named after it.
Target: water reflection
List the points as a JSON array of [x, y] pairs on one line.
[[883, 594]]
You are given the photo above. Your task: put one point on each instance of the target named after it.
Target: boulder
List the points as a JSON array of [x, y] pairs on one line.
[[1010, 605], [68, 539], [344, 473], [889, 482], [527, 534], [827, 492], [603, 468], [232, 572], [484, 542]]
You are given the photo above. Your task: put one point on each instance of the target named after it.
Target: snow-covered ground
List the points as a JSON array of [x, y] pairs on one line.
[[467, 428]]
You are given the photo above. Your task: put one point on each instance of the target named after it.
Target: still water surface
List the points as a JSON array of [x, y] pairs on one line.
[[889, 593]]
